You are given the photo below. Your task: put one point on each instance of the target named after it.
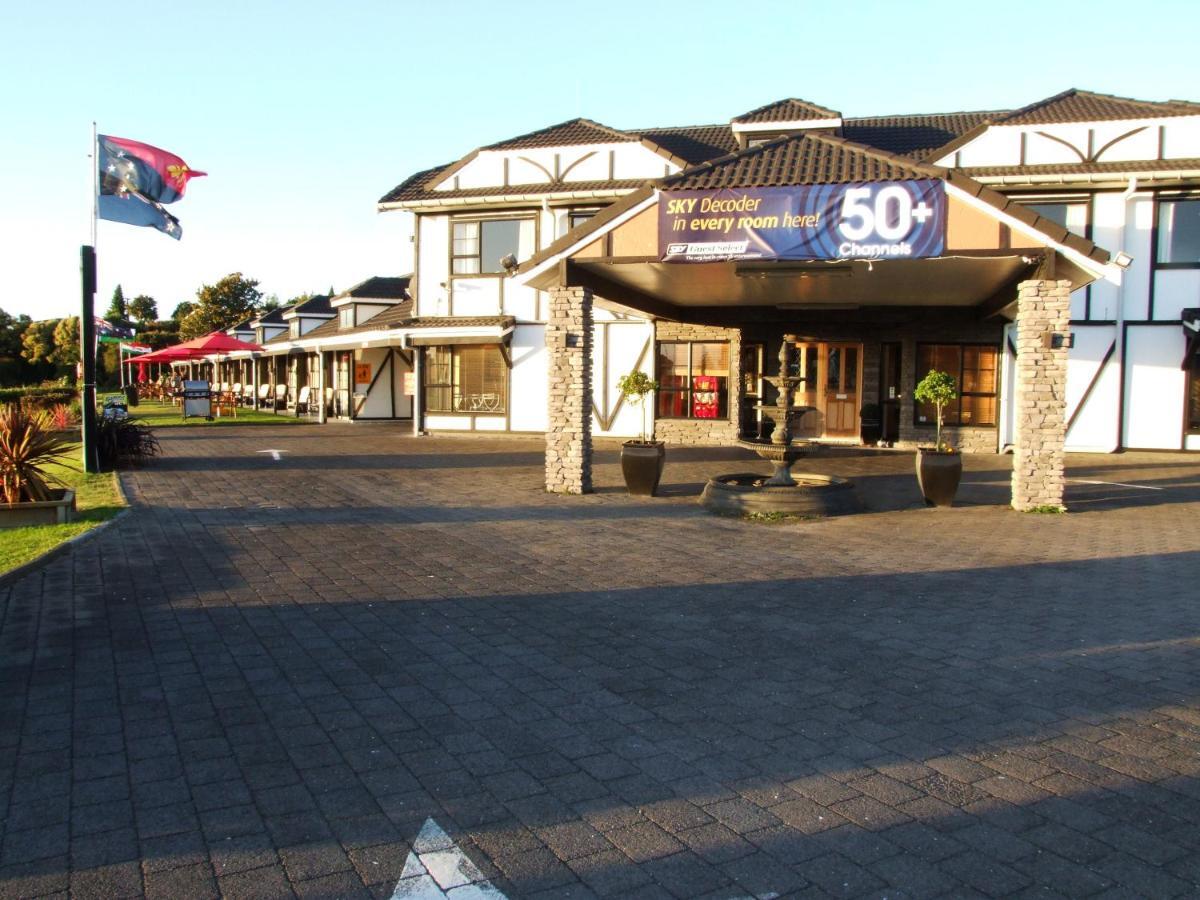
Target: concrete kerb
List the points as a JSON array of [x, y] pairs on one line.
[[16, 573]]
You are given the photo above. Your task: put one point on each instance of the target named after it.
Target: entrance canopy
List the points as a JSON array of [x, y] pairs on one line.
[[813, 222]]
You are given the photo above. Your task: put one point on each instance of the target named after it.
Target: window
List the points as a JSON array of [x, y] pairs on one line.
[[346, 317], [470, 379], [1179, 232], [975, 368], [577, 217], [478, 247], [693, 380], [1070, 214], [294, 328]]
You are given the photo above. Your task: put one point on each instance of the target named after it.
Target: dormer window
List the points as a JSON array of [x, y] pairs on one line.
[[294, 329], [478, 246], [346, 316]]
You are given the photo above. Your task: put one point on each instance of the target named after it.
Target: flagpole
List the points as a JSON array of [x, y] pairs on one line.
[[87, 325]]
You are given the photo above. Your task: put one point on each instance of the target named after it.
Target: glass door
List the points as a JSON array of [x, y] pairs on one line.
[[841, 389]]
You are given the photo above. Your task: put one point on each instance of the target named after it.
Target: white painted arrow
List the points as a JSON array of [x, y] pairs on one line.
[[436, 868], [275, 454]]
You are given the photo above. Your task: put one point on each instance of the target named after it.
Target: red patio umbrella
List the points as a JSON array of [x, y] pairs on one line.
[[217, 342]]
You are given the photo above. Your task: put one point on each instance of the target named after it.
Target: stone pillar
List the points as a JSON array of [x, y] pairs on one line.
[[1040, 404], [569, 427]]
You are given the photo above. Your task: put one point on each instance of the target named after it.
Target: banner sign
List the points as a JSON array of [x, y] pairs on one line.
[[864, 220]]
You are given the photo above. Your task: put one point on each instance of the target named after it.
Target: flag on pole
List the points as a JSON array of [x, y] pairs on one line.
[[135, 349], [135, 181], [108, 333]]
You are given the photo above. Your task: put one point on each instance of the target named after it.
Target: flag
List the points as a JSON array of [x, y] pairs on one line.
[[108, 333], [136, 179], [132, 208], [135, 349], [131, 165]]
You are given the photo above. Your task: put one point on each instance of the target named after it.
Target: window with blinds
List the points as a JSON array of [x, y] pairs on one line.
[[975, 369], [467, 379]]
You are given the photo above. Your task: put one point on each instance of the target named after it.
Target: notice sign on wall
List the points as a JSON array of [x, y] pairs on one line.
[[864, 220], [362, 373]]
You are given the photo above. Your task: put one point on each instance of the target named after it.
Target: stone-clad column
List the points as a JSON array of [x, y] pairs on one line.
[[569, 428], [1043, 307]]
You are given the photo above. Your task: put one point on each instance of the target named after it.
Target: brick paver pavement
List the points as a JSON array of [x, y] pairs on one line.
[[271, 674]]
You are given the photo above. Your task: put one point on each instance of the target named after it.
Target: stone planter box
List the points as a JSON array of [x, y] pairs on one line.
[[49, 512]]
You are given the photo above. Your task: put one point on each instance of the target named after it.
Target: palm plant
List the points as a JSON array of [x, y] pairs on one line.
[[27, 447]]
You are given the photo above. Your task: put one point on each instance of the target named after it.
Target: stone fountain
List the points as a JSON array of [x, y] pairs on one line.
[[781, 493]]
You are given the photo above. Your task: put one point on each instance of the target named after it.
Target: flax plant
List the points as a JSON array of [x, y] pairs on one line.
[[27, 447]]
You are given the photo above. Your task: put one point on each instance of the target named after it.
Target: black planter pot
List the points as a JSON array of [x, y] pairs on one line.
[[938, 475], [870, 432], [642, 465]]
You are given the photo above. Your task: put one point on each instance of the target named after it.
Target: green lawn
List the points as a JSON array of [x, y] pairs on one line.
[[167, 415], [96, 500]]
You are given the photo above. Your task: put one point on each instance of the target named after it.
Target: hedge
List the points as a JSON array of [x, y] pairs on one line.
[[42, 396]]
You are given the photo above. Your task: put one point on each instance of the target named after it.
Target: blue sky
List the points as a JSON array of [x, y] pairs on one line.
[[305, 113]]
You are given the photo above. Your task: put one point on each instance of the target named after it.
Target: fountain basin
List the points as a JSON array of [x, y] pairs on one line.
[[812, 495]]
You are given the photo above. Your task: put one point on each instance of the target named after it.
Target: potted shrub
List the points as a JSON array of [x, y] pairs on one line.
[[642, 461], [939, 468], [871, 424], [27, 447]]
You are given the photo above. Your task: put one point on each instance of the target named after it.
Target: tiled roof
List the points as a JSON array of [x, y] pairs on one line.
[[414, 186], [1086, 168], [243, 325], [789, 110], [274, 317], [574, 131], [394, 315], [806, 158], [317, 305], [379, 287], [691, 143], [915, 136], [542, 187], [1075, 105], [461, 322]]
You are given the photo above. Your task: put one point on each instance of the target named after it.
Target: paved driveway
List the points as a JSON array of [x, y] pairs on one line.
[[306, 674]]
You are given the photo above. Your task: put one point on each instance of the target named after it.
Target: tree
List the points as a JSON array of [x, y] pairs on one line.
[[220, 305], [937, 388], [143, 308], [268, 303], [118, 309], [38, 341], [66, 342], [14, 370], [182, 310]]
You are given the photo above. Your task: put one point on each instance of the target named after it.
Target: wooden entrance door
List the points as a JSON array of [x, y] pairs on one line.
[[841, 389]]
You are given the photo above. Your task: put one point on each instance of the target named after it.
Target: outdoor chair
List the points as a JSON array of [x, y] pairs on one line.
[[264, 395], [329, 411], [226, 404], [281, 397], [237, 392], [302, 402]]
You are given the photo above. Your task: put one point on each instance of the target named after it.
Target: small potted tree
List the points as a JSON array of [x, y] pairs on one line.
[[642, 461], [939, 468]]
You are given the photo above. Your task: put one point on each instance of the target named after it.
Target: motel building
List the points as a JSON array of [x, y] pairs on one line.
[[1047, 257]]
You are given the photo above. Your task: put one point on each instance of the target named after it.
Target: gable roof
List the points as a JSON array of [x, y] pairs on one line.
[[317, 305], [917, 136], [274, 317], [1074, 105], [790, 109], [573, 131], [691, 143], [805, 158], [379, 287]]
